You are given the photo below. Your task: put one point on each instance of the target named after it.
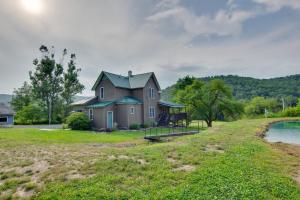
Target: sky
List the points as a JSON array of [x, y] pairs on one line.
[[173, 38]]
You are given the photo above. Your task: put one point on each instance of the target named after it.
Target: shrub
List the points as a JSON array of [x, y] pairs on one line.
[[148, 124], [79, 121], [291, 112], [134, 126]]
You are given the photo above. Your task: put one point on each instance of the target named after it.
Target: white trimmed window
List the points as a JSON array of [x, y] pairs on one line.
[[91, 114], [151, 111], [102, 93], [131, 110], [151, 93]]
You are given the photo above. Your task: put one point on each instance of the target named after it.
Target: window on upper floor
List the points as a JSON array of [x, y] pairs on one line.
[[151, 111], [151, 93], [101, 92], [91, 114]]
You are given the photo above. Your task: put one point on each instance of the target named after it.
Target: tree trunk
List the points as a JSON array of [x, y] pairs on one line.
[[209, 123], [49, 111]]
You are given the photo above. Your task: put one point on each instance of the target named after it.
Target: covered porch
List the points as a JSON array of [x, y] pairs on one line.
[[171, 113]]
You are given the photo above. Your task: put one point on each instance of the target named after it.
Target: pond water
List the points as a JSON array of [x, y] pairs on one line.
[[286, 132]]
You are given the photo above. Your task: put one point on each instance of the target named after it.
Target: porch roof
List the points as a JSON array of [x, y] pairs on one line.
[[170, 104], [101, 104], [129, 100]]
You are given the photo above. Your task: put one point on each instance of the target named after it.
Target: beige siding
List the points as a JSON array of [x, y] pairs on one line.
[[122, 116], [135, 118], [149, 101], [100, 116], [125, 118], [111, 93], [121, 92]]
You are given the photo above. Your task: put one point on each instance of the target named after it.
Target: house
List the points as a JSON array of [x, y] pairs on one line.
[[6, 116], [121, 101]]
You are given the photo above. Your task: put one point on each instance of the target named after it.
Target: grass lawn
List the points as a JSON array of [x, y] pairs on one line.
[[228, 161], [13, 137]]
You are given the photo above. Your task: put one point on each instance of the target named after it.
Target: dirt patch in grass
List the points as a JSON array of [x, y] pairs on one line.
[[172, 160], [186, 168], [125, 157], [39, 165], [214, 148], [297, 177], [22, 193]]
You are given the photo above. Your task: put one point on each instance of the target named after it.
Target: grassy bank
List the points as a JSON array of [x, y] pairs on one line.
[[228, 161]]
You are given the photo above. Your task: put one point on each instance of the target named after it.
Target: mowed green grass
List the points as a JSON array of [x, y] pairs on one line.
[[227, 162], [16, 136]]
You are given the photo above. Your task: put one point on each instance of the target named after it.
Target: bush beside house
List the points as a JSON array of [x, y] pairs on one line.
[[79, 121]]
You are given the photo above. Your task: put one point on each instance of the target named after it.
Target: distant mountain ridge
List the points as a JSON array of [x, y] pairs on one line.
[[247, 87]]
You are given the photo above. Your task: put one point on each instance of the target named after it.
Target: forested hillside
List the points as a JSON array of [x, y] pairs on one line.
[[247, 88]]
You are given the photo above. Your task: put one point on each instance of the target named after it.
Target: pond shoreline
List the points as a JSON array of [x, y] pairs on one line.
[[286, 148], [266, 127]]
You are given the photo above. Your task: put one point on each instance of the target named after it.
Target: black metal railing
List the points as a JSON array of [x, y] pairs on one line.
[[159, 131]]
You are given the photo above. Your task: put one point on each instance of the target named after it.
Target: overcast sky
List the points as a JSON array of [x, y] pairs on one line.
[[173, 38]]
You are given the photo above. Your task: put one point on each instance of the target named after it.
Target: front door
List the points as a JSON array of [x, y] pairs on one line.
[[110, 119]]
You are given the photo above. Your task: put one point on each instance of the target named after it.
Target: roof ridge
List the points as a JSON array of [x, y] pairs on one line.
[[114, 74]]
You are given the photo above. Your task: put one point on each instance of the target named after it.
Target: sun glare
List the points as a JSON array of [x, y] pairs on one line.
[[32, 6]]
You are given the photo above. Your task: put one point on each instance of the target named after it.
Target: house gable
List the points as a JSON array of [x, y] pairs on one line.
[[127, 82]]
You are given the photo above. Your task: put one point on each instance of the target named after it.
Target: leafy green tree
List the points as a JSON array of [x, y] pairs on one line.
[[22, 97], [208, 100], [31, 114], [71, 85], [258, 106], [183, 82], [47, 80]]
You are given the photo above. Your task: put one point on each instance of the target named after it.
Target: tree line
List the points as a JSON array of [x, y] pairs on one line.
[[48, 95], [213, 99], [247, 88]]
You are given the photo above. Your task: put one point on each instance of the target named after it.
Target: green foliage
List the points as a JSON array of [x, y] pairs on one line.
[[30, 114], [258, 105], [79, 121], [46, 80], [51, 88], [148, 124], [208, 100], [248, 88], [71, 85], [292, 111], [22, 97], [134, 126]]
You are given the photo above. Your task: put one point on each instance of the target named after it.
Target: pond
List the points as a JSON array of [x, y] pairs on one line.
[[286, 132]]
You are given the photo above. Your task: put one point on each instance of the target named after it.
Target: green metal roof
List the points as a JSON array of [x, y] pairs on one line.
[[128, 82], [101, 104], [170, 104], [129, 100]]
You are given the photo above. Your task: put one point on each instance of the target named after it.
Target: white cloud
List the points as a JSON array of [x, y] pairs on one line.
[[222, 23], [275, 5]]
